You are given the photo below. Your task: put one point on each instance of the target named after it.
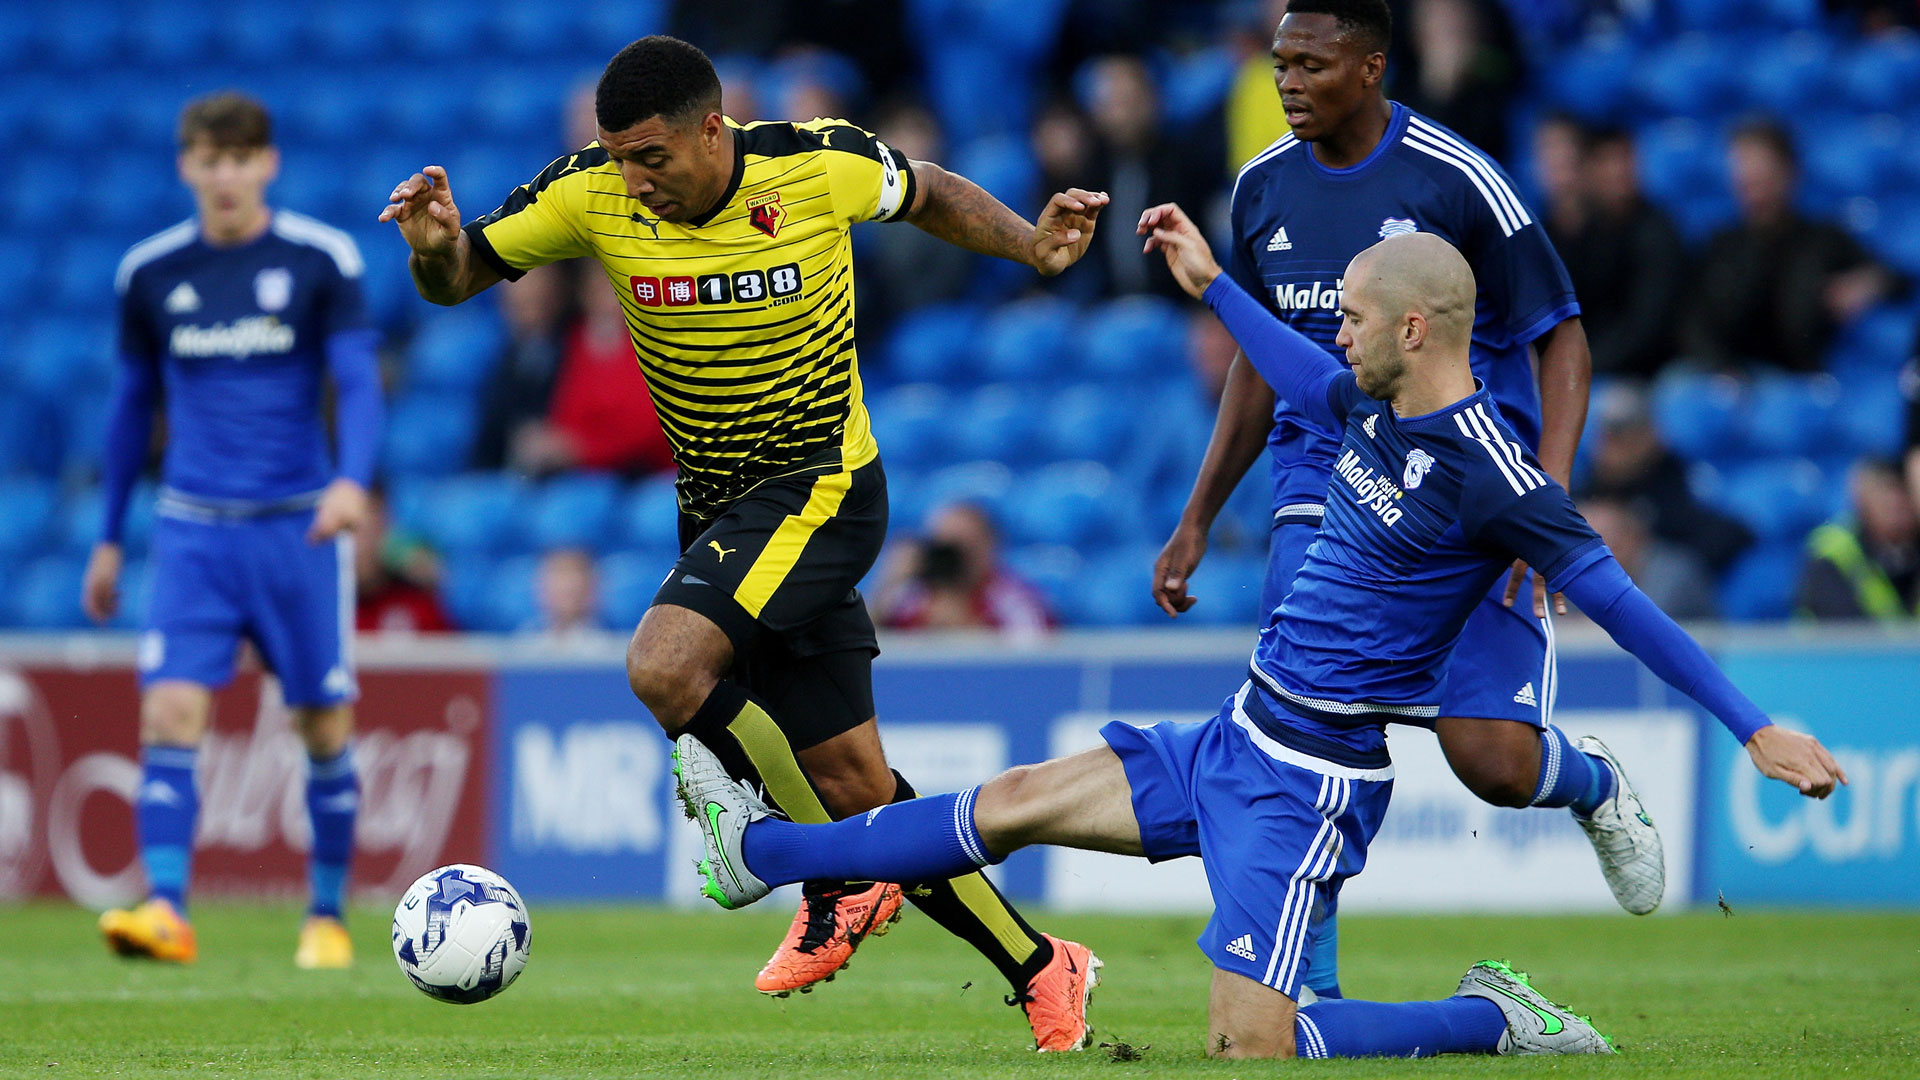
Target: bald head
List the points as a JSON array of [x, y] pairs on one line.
[[1418, 272], [1407, 303]]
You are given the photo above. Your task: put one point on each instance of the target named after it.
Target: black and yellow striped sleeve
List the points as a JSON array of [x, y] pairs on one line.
[[870, 180], [541, 221]]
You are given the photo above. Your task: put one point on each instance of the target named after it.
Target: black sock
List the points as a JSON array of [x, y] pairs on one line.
[[971, 909]]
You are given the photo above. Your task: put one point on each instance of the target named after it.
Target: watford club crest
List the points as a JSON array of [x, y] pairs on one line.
[[766, 213]]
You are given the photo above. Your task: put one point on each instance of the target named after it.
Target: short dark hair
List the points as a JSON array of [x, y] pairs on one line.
[[1368, 20], [1770, 134], [655, 76], [229, 120]]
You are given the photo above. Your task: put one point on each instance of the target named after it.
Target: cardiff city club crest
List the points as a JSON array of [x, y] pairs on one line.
[[273, 289], [766, 213], [1397, 226], [1418, 463]]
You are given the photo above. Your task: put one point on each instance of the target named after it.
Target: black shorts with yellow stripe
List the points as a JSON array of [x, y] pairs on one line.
[[777, 572]]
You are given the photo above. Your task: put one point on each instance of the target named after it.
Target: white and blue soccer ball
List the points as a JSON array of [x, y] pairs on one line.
[[461, 934]]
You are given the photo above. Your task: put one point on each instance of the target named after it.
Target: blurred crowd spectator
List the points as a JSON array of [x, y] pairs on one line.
[[569, 597], [1866, 565], [1634, 469], [396, 579], [952, 578]]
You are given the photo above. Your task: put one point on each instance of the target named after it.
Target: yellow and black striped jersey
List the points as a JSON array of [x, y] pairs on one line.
[[742, 319]]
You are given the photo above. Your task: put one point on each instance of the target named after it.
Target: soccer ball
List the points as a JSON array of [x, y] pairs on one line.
[[461, 934]]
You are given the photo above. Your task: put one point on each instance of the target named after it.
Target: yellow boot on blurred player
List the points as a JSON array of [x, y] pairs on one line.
[[153, 930]]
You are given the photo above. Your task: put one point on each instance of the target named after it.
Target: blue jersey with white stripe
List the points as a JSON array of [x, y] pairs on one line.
[[1423, 514], [238, 335], [1297, 223]]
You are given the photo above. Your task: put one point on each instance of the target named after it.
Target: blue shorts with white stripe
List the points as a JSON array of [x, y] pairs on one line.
[[1278, 830]]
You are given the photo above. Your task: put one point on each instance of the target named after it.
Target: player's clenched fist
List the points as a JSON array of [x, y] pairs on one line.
[[1171, 232], [422, 205]]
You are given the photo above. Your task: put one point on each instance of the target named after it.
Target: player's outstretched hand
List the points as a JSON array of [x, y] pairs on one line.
[[343, 508], [1065, 229], [1518, 575], [1175, 566], [1797, 758], [100, 588], [1171, 232], [422, 205]]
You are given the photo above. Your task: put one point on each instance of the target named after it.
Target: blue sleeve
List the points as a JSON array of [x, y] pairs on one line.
[[1512, 508], [359, 408], [1518, 272], [1609, 597], [129, 435], [1240, 265], [343, 305], [1297, 369]]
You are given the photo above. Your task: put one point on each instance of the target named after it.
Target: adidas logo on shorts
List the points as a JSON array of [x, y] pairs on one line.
[[1242, 947], [1526, 696]]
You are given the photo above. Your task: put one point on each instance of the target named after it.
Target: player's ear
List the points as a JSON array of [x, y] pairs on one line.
[[1413, 330], [270, 161], [1373, 69]]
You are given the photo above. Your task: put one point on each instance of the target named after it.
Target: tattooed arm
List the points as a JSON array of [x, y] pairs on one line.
[[959, 211]]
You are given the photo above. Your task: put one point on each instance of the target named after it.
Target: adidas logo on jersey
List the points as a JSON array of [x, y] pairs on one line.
[[1368, 427], [1526, 696], [1280, 241], [1242, 947], [182, 299]]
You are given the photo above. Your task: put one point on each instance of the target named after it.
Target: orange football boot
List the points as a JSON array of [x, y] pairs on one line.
[[830, 924], [323, 944], [153, 930], [1056, 1000]]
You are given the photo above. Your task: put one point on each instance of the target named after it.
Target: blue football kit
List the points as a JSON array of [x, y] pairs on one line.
[[1295, 226], [239, 339]]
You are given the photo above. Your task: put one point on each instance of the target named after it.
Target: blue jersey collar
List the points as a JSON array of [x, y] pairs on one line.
[[1396, 126], [1479, 395]]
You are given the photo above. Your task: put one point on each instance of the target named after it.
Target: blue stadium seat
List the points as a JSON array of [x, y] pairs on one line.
[[1054, 569], [20, 270], [1113, 591], [1069, 502], [169, 35], [1090, 421], [575, 511], [429, 435], [486, 174], [349, 31], [82, 423], [456, 350], [391, 298], [1779, 499], [1698, 414], [29, 518], [1897, 239], [514, 601], [259, 30], [1852, 156], [337, 110], [29, 437], [136, 593], [1694, 75], [83, 276], [466, 591], [1679, 158], [44, 196], [1028, 339], [650, 515], [1707, 14], [533, 30], [1803, 61], [996, 421], [1228, 590], [46, 595], [516, 104], [476, 513], [1873, 419], [1791, 415], [1879, 340], [628, 580], [912, 424], [84, 35], [935, 342], [1760, 584], [1004, 165], [1194, 85], [1882, 72], [1591, 79], [985, 483], [60, 357], [78, 527], [606, 28], [1133, 337]]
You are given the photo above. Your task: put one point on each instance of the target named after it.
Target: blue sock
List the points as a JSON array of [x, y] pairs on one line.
[[164, 814], [1570, 778], [1323, 954], [1348, 1028], [928, 839], [333, 800]]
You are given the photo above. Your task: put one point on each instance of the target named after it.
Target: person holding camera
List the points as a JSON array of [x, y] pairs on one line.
[[952, 579]]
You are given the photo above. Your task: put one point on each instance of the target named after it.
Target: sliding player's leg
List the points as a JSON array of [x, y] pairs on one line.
[[1497, 731]]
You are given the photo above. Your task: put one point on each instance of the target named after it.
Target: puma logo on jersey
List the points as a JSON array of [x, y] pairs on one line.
[[724, 551]]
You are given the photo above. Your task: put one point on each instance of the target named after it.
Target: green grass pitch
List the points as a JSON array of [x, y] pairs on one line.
[[620, 992]]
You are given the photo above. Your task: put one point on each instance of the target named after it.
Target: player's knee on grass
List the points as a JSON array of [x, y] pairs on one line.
[[1248, 1020], [325, 730], [174, 714], [1497, 760]]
